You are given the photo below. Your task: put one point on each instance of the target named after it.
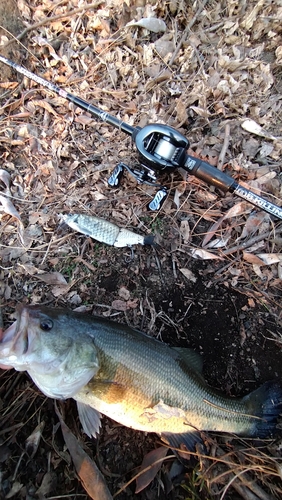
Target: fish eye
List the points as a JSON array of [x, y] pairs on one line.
[[46, 325]]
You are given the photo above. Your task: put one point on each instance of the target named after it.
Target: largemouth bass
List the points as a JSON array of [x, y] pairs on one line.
[[142, 383], [105, 231]]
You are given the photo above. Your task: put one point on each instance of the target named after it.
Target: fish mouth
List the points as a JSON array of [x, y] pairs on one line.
[[14, 340]]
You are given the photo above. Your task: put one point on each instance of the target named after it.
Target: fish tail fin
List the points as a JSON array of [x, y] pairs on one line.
[[265, 403]]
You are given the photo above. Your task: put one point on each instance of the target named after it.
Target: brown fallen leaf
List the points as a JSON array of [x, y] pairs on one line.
[[234, 211], [33, 441], [16, 488], [200, 253], [188, 274], [124, 293], [149, 23], [270, 258], [252, 259], [48, 485], [53, 278], [151, 465], [91, 478], [184, 230], [254, 128], [9, 209], [5, 177], [119, 305]]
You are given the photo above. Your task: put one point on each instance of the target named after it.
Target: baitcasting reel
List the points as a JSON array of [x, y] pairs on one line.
[[161, 149]]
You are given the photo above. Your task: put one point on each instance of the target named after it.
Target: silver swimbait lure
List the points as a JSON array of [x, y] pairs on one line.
[[105, 231]]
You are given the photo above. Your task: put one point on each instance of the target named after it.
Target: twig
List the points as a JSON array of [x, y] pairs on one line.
[[249, 243], [224, 147], [47, 20], [186, 31], [241, 481], [159, 266]]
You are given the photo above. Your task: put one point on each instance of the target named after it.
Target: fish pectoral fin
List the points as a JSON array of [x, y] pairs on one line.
[[192, 359], [90, 419], [107, 390], [182, 444]]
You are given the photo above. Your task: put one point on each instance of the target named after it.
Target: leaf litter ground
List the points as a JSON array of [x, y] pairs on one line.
[[213, 282]]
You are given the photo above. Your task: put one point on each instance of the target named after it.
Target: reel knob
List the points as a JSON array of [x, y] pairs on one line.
[[158, 199], [115, 178]]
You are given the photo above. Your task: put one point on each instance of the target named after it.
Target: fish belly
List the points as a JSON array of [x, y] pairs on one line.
[[159, 418]]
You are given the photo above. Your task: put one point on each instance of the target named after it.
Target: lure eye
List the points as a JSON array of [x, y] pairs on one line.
[[46, 325]]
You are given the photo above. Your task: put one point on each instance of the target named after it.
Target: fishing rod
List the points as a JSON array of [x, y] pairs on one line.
[[161, 149]]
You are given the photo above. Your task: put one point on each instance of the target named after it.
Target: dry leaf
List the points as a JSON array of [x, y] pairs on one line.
[[251, 17], [5, 177], [181, 111], [89, 474], [188, 274], [234, 211], [8, 85], [258, 271], [204, 254], [252, 225], [54, 278], [150, 24], [280, 270], [42, 42], [153, 461], [220, 242], [124, 293], [30, 268], [9, 208], [45, 105], [48, 485], [252, 259], [270, 258], [185, 231], [119, 305], [164, 46], [254, 128], [278, 53], [16, 488], [83, 119], [32, 442]]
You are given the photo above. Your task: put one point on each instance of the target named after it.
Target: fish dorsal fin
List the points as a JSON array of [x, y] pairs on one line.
[[90, 419], [193, 359]]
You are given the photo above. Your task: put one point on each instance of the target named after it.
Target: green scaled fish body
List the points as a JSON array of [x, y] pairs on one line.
[[105, 231], [134, 379]]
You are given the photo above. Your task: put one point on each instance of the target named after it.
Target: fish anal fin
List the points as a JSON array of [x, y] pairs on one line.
[[90, 419], [111, 392], [183, 444], [192, 358]]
